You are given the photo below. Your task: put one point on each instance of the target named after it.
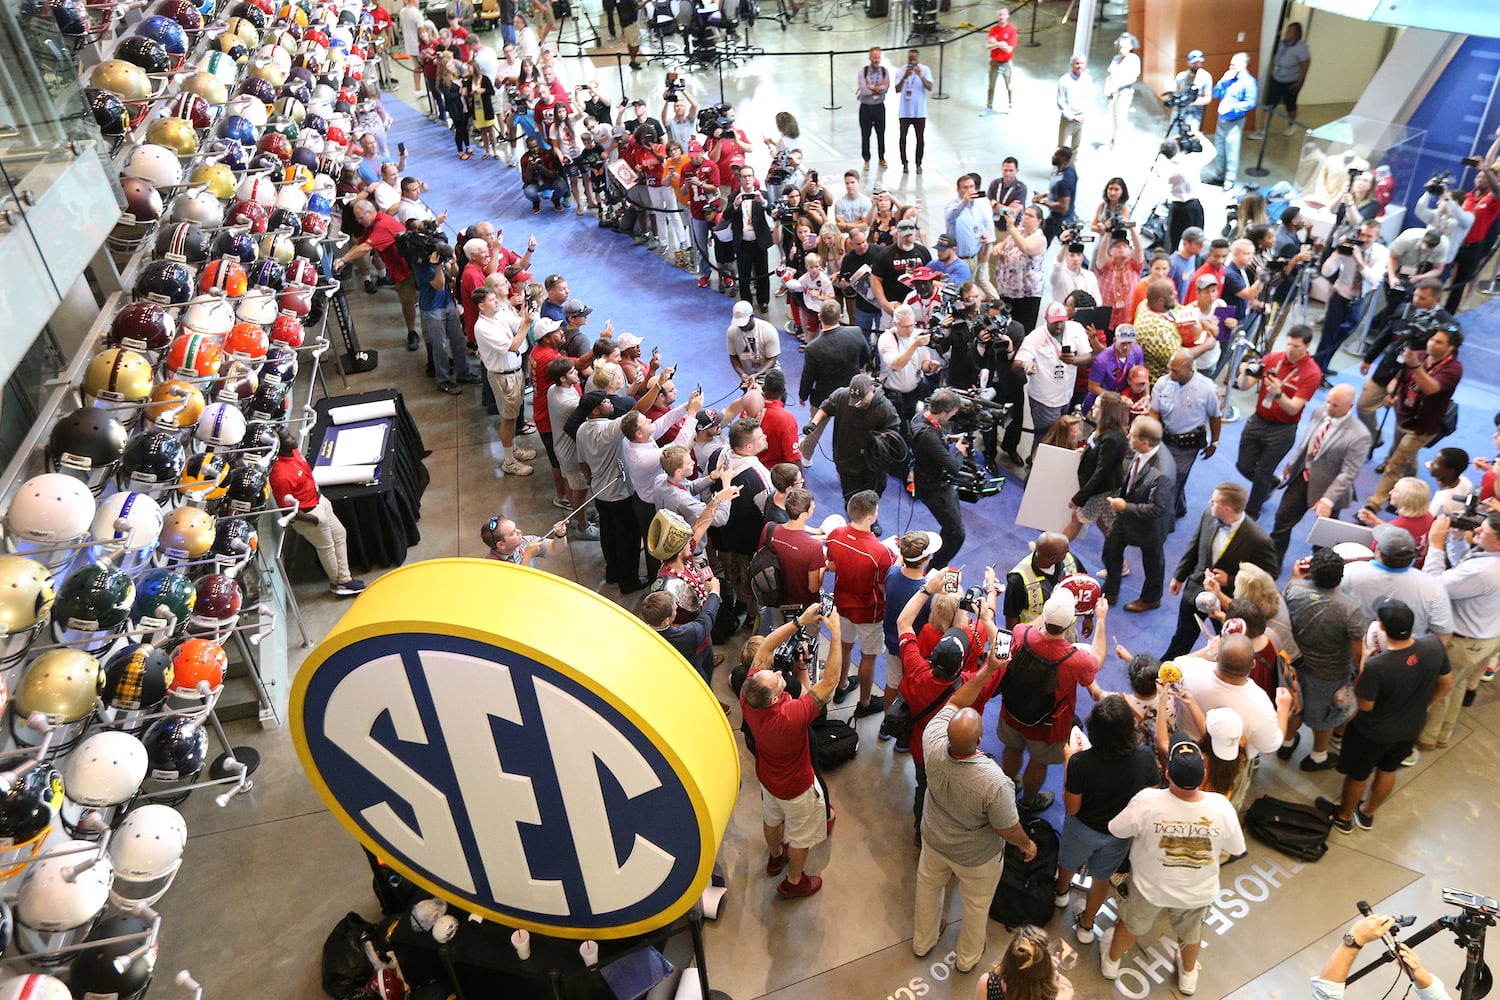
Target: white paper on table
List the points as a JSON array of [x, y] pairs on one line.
[[688, 987], [343, 475], [360, 445], [1049, 489], [355, 412]]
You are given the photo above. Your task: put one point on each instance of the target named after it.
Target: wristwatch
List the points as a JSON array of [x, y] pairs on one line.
[[1350, 942]]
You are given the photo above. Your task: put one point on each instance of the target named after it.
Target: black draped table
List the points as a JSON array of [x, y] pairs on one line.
[[380, 517]]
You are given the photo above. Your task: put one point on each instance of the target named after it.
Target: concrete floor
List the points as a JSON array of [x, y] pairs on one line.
[[266, 878]]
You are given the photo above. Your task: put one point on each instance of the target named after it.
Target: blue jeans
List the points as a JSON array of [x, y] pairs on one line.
[[701, 242], [1227, 137], [508, 33], [445, 336], [866, 319], [558, 194], [1341, 317]]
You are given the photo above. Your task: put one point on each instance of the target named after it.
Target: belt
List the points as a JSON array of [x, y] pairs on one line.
[[513, 371], [1192, 437]]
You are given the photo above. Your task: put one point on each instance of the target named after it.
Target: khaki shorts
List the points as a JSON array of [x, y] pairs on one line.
[[806, 816], [406, 291], [893, 670], [871, 636], [632, 34], [1138, 916], [1040, 751], [510, 390]]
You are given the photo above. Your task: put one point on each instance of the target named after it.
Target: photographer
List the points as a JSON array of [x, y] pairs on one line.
[[437, 276], [1422, 391], [1329, 984], [1196, 86], [1068, 272], [1483, 202], [1284, 381], [860, 414], [1184, 168], [905, 360], [1118, 262], [1357, 266], [1018, 255], [970, 225], [1415, 322], [752, 240], [934, 469], [1416, 254]]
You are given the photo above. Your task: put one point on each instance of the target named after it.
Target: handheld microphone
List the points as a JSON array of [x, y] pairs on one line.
[[1388, 938]]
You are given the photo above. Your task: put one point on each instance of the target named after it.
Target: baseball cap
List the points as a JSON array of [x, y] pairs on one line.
[[1185, 765], [545, 325], [1396, 618], [1195, 55], [637, 103], [944, 241], [924, 273], [918, 545], [1207, 281], [1395, 545], [591, 401], [626, 341], [906, 226], [709, 419], [695, 148], [948, 655], [1060, 609], [742, 313], [1224, 727], [1124, 332], [1056, 311], [575, 307]]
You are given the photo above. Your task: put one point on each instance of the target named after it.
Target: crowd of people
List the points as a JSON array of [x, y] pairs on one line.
[[706, 522]]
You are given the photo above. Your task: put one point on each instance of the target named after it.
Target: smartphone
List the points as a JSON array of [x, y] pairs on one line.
[[401, 148], [825, 603], [950, 581]]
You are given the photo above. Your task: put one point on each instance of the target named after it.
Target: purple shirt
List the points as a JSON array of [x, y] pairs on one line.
[[1109, 371]]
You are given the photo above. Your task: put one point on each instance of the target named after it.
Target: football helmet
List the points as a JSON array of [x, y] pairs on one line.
[[201, 205], [147, 53], [183, 242], [175, 405], [231, 154], [49, 511], [171, 34], [33, 986], [257, 306], [193, 108], [128, 82], [184, 13], [155, 164], [58, 904], [252, 13], [196, 662], [195, 355], [217, 610], [1085, 589], [218, 180], [146, 852], [165, 282], [300, 273], [277, 248], [143, 204], [136, 678], [222, 426], [212, 316], [109, 112], [280, 366], [87, 444], [235, 540], [269, 405], [92, 607], [206, 86], [92, 973], [236, 383], [233, 244], [203, 479], [277, 145], [288, 330], [129, 519], [285, 220], [26, 597], [152, 462], [235, 127], [186, 535], [63, 685], [221, 66], [267, 273], [257, 189], [223, 276], [176, 134], [247, 213], [245, 30], [248, 107], [101, 775], [163, 600], [297, 301], [176, 748], [118, 375]]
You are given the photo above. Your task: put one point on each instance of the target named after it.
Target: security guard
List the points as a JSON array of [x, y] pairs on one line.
[[935, 468], [1030, 583]]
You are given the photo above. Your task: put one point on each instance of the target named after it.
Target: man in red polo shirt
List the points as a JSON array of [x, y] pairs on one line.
[[858, 562], [379, 236], [1288, 381], [1002, 45], [928, 682], [1041, 742], [792, 802], [315, 521]]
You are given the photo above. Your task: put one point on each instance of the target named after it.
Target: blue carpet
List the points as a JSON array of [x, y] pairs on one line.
[[642, 293]]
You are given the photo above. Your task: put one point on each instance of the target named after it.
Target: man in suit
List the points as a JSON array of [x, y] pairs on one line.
[[1143, 514], [1323, 464], [1225, 539], [752, 240]]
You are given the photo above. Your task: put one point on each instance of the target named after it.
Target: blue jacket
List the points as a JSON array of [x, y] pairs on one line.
[[1237, 97]]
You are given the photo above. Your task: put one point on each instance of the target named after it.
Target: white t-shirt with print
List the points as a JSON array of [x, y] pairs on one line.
[[1174, 853]]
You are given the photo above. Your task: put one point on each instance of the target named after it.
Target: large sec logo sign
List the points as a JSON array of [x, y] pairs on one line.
[[520, 746]]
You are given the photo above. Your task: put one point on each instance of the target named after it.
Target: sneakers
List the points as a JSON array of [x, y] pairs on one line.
[[1187, 979], [1086, 935], [413, 342], [1332, 809], [841, 692], [1290, 130], [1062, 898], [1109, 970], [777, 864], [1329, 760], [1039, 804], [588, 533], [1285, 751], [1412, 758], [450, 388], [703, 281], [523, 454], [512, 467], [809, 886], [346, 589], [1362, 819], [1489, 675], [875, 706], [1257, 134], [562, 503]]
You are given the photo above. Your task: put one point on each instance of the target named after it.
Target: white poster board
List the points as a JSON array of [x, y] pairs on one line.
[[1049, 487]]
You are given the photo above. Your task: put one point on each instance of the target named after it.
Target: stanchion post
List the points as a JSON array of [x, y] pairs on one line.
[[620, 71], [938, 94], [1031, 42], [832, 105], [721, 79], [1265, 137]]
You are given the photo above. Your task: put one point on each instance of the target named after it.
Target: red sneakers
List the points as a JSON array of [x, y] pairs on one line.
[[809, 885], [777, 864], [703, 281]]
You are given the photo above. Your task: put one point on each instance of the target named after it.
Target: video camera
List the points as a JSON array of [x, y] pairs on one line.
[[1471, 517], [782, 211], [1074, 241], [713, 121], [421, 240], [675, 86], [973, 599], [1180, 98], [1439, 181]]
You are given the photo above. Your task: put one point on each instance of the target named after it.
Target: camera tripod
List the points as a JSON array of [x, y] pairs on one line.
[[1468, 928]]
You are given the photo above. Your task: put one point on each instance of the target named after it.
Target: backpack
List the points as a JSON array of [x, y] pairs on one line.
[[345, 965], [1026, 889], [765, 573], [834, 742], [1028, 691], [1297, 830]]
